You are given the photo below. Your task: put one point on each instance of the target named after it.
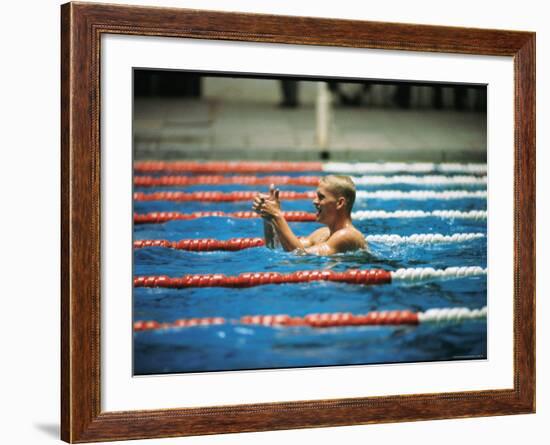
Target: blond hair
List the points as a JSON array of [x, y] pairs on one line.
[[341, 186]]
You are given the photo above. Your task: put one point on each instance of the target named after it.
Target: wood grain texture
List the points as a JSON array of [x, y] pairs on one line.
[[65, 227], [82, 27], [524, 224]]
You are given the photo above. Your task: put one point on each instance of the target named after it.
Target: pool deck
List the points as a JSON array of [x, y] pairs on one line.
[[212, 129]]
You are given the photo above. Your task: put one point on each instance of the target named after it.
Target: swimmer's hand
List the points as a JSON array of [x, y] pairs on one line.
[[274, 196], [268, 205]]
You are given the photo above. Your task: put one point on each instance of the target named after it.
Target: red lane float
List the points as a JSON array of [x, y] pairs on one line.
[[166, 181], [225, 167], [203, 245], [215, 196], [151, 325], [250, 279], [329, 320], [369, 319], [161, 217], [334, 319]]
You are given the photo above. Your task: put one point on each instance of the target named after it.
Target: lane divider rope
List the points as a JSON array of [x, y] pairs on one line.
[[353, 276], [329, 167], [203, 245], [411, 167], [234, 244], [429, 273], [422, 194], [425, 180], [152, 181], [161, 217], [425, 238], [225, 166], [327, 320], [216, 196], [174, 181], [444, 214]]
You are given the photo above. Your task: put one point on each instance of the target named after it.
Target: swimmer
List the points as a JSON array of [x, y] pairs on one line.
[[334, 200]]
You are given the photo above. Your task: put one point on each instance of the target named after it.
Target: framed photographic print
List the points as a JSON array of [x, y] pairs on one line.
[[279, 222], [256, 304]]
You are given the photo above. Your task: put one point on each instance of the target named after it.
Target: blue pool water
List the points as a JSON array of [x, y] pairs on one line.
[[237, 347]]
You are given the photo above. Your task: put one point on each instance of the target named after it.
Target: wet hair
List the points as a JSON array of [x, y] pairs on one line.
[[341, 186]]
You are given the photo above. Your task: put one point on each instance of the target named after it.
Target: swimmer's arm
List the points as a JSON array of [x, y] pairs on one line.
[[306, 242], [286, 236], [270, 236], [259, 205]]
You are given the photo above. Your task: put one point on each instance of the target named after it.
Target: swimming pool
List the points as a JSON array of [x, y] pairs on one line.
[[237, 346]]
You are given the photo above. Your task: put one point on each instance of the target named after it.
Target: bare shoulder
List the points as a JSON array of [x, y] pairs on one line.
[[349, 239], [320, 235]]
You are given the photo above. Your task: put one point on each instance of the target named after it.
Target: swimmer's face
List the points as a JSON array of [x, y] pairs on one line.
[[326, 203]]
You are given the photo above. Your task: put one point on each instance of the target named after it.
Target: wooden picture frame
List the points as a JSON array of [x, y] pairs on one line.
[[82, 25]]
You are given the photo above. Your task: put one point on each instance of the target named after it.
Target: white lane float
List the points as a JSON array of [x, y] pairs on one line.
[[422, 194], [409, 167], [444, 214]]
